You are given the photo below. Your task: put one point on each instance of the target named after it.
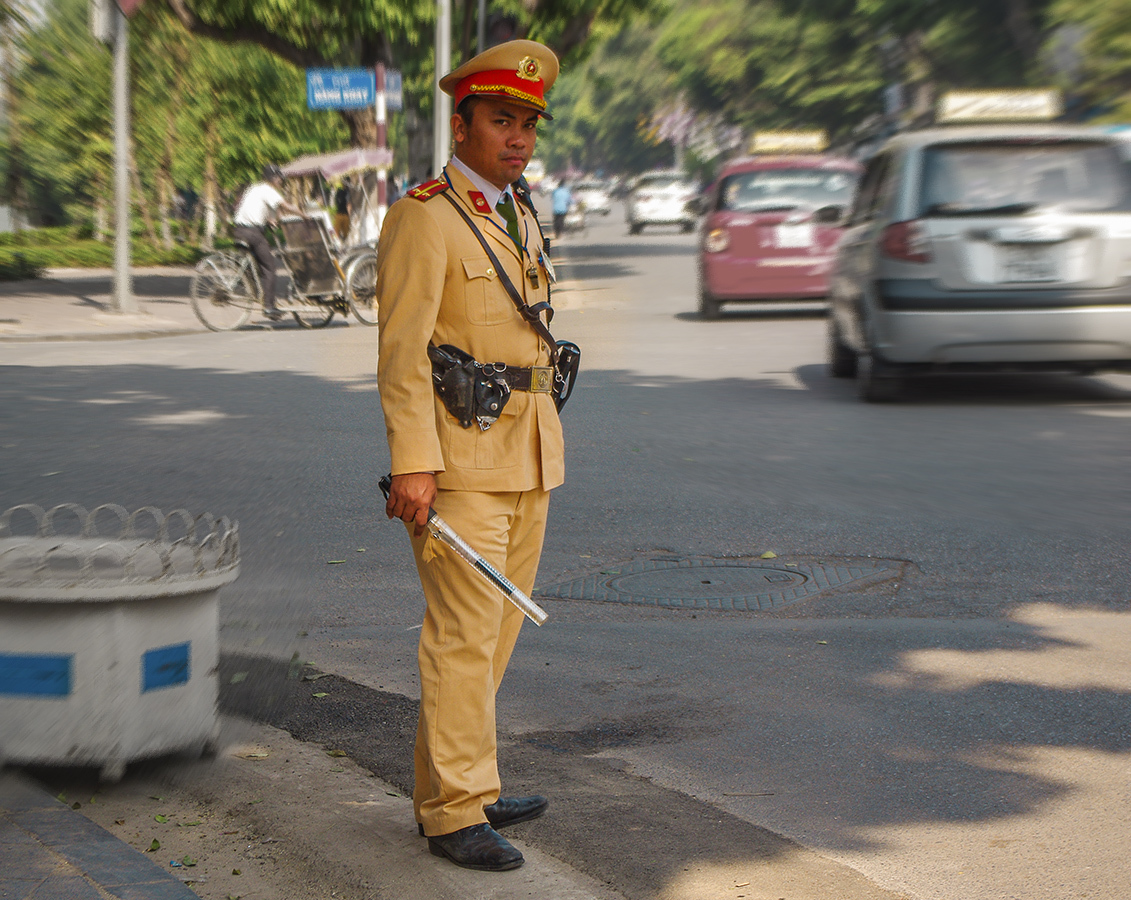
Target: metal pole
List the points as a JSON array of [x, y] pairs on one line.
[[123, 298], [382, 143], [442, 108], [481, 28]]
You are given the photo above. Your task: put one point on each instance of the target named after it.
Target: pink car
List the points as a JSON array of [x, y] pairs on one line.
[[771, 229]]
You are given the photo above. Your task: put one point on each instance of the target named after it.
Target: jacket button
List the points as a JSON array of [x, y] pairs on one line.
[[490, 272]]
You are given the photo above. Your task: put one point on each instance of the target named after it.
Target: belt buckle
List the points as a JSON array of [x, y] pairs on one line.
[[541, 379]]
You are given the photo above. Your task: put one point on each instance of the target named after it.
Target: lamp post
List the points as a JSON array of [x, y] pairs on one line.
[[109, 23], [442, 107], [124, 300], [382, 144]]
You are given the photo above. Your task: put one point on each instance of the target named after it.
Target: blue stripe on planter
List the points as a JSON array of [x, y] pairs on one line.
[[35, 674], [164, 667]]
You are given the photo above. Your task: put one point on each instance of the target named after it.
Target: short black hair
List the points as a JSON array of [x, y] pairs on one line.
[[466, 108]]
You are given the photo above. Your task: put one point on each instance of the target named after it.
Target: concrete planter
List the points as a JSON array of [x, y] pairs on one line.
[[109, 645]]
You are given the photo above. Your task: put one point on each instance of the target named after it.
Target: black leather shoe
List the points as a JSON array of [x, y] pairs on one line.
[[509, 811], [477, 847], [273, 314], [512, 810]]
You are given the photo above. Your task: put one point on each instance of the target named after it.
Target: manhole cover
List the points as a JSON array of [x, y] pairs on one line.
[[748, 585]]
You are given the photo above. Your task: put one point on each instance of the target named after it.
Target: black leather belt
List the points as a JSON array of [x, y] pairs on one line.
[[537, 379]]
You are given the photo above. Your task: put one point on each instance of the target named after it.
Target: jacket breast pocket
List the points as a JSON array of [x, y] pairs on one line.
[[484, 298]]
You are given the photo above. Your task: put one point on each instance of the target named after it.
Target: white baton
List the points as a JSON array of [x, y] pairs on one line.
[[441, 530]]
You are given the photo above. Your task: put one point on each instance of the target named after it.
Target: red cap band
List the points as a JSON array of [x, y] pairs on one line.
[[502, 83]]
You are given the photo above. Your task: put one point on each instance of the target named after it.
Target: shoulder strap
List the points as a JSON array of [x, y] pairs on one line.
[[429, 189], [530, 313]]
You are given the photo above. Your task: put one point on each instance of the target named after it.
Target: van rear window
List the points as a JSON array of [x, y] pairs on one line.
[[781, 189], [1014, 177]]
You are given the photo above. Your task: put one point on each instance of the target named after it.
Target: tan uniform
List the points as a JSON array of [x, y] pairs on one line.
[[436, 284]]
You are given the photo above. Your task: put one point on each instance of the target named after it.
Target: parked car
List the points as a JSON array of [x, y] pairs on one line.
[[660, 198], [771, 228], [594, 195], [984, 248], [535, 175]]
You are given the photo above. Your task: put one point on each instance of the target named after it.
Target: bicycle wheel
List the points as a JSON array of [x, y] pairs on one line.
[[361, 289], [313, 314], [222, 293]]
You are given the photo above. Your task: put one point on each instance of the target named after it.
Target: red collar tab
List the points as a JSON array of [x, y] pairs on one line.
[[429, 189], [479, 201]]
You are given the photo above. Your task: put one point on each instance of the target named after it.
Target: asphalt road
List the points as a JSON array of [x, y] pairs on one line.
[[956, 724]]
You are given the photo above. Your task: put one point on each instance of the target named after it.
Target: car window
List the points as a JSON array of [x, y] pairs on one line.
[[1018, 175], [873, 188], [773, 189]]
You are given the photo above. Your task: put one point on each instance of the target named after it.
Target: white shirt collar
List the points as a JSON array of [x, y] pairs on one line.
[[490, 193]]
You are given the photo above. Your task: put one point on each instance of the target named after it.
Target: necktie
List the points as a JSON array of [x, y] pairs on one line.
[[507, 211]]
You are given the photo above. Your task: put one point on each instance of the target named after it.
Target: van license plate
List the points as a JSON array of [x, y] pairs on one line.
[[1029, 264], [795, 236]]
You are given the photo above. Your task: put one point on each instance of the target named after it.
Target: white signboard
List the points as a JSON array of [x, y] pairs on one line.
[[789, 142], [1000, 106]]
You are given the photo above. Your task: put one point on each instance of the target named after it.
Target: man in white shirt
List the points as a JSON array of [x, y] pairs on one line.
[[259, 205]]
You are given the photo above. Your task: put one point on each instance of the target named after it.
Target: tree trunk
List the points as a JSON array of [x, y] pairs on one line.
[[419, 134], [362, 124], [1023, 32], [470, 8], [101, 223], [140, 201], [210, 191], [163, 203], [165, 176]]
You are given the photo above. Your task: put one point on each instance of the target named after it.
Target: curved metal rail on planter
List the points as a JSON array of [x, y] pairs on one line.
[[90, 565]]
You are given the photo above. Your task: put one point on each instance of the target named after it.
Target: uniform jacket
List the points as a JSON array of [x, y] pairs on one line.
[[436, 284]]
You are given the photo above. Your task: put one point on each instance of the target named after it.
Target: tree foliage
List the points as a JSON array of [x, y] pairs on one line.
[[1096, 54], [772, 64], [398, 33], [190, 98]]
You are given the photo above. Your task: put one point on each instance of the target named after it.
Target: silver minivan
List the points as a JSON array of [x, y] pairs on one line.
[[984, 248]]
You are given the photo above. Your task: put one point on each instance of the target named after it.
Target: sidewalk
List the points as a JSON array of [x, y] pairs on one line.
[[76, 305], [270, 818], [50, 852]]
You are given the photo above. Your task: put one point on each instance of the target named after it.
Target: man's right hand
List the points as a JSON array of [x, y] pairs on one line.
[[411, 497]]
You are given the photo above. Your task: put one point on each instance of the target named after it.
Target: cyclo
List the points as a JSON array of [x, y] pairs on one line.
[[327, 275]]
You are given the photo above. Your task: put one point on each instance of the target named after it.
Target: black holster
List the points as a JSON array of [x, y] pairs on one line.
[[468, 390]]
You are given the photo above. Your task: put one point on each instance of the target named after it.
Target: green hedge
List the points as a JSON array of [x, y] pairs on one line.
[[25, 254], [15, 266], [42, 237]]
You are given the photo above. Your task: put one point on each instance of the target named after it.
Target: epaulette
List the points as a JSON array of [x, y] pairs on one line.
[[429, 189]]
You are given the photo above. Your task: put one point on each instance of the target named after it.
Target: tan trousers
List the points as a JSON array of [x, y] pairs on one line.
[[469, 631]]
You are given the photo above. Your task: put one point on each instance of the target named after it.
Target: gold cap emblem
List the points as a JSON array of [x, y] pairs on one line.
[[529, 69]]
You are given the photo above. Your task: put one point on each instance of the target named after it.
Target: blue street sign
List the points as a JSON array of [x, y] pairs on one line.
[[394, 90], [340, 88]]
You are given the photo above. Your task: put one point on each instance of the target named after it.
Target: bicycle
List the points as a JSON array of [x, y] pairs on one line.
[[225, 288]]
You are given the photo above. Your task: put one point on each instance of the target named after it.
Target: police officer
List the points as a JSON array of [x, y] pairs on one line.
[[438, 285]]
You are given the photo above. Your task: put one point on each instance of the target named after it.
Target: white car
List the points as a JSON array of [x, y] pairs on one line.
[[594, 196], [660, 198], [981, 248]]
